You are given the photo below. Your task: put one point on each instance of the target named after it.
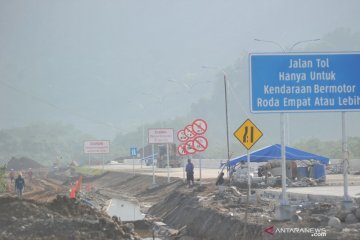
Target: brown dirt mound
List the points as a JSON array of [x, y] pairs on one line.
[[60, 219], [23, 163]]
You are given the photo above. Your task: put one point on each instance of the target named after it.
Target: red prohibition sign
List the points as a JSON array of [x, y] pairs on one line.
[[189, 132], [200, 143], [189, 147], [199, 126], [181, 136], [182, 150]]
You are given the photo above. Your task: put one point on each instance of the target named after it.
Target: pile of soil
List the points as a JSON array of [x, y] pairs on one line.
[[62, 218], [23, 163]]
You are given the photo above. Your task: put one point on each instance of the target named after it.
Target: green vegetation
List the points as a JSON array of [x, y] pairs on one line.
[[331, 149], [89, 171]]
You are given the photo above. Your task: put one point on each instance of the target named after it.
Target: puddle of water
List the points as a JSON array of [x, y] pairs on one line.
[[126, 211]]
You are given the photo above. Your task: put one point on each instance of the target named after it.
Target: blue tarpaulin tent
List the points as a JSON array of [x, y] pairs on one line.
[[273, 152]]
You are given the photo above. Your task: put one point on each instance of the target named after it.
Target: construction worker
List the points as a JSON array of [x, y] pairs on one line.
[[19, 185], [220, 180], [190, 173]]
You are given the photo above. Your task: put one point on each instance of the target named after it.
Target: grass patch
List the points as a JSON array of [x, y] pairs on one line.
[[89, 171]]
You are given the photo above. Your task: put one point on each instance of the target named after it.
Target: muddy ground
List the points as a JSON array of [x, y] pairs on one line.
[[46, 212], [200, 212], [205, 212]]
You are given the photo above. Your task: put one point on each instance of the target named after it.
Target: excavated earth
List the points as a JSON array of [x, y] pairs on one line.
[[200, 212]]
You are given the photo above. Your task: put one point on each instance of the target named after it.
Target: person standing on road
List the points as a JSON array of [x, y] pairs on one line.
[[19, 185], [190, 173], [220, 180]]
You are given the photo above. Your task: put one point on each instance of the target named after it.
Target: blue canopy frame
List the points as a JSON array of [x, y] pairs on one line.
[[273, 152]]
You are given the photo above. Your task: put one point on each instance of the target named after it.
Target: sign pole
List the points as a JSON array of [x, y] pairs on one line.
[[133, 165], [200, 168], [103, 161], [153, 163], [89, 159], [248, 165], [284, 200], [346, 158], [143, 143], [168, 161], [184, 169]]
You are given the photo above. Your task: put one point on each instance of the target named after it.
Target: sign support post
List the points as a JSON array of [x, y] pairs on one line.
[[153, 163], [168, 161], [284, 200], [346, 198], [133, 165], [200, 169], [248, 166]]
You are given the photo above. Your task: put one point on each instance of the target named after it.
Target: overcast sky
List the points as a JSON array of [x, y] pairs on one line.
[[97, 64]]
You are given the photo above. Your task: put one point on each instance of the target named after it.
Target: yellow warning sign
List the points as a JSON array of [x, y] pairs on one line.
[[248, 134]]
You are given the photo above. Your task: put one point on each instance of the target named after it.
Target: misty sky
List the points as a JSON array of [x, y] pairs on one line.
[[105, 66]]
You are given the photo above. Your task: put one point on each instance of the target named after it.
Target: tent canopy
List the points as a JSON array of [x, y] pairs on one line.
[[273, 152]]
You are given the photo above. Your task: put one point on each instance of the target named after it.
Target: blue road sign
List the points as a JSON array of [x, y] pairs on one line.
[[133, 151], [298, 82]]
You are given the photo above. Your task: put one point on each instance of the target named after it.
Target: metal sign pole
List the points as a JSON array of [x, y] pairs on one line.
[[184, 169], [346, 158], [103, 161], [143, 143], [248, 166], [153, 163], [284, 200], [200, 168], [133, 165], [168, 161], [89, 159]]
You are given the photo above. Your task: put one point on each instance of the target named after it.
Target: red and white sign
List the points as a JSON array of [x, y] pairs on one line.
[[101, 146], [189, 131], [192, 139], [200, 143], [190, 147], [199, 126], [182, 150], [160, 135], [181, 136]]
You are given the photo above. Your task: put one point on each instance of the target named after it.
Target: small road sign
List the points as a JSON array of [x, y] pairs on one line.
[[248, 134], [189, 132], [182, 149], [133, 151], [181, 136], [200, 143], [199, 126], [189, 147]]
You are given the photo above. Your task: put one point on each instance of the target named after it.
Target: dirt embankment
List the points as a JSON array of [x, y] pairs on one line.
[[45, 212], [205, 212]]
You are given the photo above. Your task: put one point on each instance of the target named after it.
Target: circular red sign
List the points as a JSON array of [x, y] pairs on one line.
[[182, 150], [189, 147], [189, 131], [181, 136], [199, 126], [200, 143]]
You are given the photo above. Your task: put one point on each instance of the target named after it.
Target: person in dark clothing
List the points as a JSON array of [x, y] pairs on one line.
[[220, 180], [190, 173], [19, 185]]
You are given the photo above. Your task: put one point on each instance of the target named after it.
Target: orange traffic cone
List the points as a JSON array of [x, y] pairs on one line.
[[73, 193], [77, 188]]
